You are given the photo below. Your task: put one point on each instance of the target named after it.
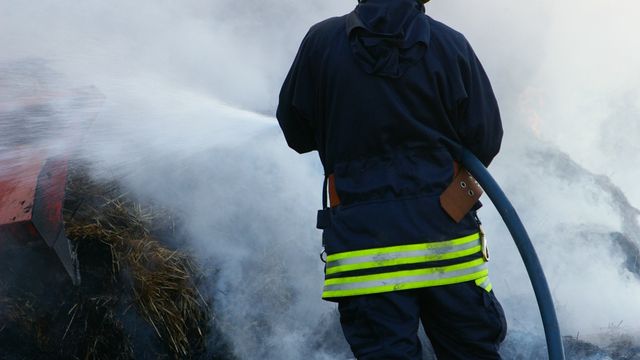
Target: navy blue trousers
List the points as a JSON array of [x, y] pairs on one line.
[[462, 321]]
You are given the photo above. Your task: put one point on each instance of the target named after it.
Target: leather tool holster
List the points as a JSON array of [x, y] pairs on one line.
[[461, 195]]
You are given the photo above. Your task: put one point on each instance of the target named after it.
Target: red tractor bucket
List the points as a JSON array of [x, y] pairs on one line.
[[32, 189]]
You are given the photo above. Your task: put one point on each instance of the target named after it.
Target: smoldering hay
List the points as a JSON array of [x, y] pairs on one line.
[[187, 120]]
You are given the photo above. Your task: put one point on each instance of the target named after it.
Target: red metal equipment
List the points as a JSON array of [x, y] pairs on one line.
[[32, 189], [34, 112]]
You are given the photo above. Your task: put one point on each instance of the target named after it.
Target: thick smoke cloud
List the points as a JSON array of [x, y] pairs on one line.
[[186, 118]]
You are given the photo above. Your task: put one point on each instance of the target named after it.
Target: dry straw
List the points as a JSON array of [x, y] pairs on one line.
[[162, 280]]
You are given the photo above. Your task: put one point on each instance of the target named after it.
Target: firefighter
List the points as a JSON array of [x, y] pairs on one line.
[[389, 97]]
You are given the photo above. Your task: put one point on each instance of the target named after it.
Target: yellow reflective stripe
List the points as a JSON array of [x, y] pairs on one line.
[[403, 261], [402, 248], [404, 286], [484, 283], [379, 258], [404, 273]]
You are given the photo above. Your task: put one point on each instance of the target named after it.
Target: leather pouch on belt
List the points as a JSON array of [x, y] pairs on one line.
[[461, 195]]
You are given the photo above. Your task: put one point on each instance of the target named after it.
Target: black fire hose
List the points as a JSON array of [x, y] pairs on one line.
[[528, 253]]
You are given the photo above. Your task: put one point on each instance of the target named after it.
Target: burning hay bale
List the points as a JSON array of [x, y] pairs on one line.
[[139, 296], [163, 281]]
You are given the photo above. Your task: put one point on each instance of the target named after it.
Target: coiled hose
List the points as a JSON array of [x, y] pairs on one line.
[[527, 252]]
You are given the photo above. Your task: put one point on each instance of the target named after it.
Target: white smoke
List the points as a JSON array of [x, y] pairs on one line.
[[189, 92]]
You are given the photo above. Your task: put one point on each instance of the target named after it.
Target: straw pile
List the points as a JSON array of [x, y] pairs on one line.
[[162, 281], [139, 297]]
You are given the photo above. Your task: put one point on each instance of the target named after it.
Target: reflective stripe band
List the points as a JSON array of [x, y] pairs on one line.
[[425, 254], [404, 248], [376, 260], [435, 271], [404, 280], [484, 283]]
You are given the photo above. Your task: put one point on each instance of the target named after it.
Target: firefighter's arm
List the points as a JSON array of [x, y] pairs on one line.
[[296, 104], [479, 125]]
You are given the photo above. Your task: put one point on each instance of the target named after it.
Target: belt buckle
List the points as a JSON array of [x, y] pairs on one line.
[[483, 244]]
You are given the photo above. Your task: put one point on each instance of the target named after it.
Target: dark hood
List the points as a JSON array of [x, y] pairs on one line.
[[388, 36]]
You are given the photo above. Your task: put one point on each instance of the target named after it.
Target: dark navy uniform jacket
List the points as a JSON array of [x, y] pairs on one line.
[[388, 97]]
